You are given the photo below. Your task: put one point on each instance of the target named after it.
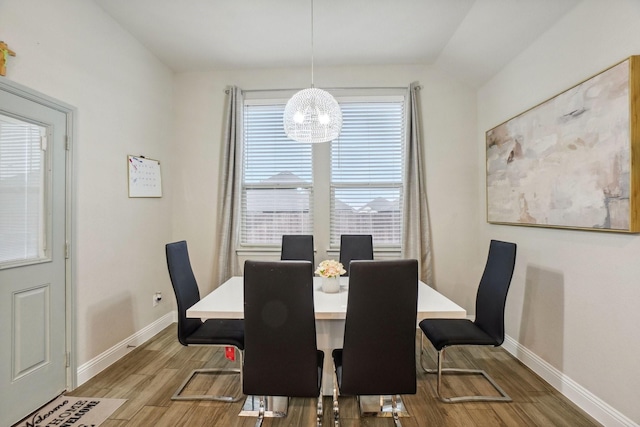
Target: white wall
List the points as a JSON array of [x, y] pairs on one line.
[[449, 124], [72, 51], [574, 296]]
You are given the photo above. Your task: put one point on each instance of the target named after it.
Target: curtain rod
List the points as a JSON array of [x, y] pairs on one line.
[[326, 88]]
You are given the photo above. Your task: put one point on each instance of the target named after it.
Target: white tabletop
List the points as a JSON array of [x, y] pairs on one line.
[[227, 302]]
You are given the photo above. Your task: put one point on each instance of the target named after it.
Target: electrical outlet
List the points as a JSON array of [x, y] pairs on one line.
[[157, 297]]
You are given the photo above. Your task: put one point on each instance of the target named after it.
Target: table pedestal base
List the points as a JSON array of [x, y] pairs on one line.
[[274, 406], [380, 406]]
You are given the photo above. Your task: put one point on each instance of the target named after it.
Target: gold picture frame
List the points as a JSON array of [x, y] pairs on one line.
[[572, 160]]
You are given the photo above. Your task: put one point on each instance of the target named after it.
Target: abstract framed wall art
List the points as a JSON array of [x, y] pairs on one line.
[[571, 161]]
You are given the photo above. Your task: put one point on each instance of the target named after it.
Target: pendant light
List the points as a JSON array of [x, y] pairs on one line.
[[312, 115]]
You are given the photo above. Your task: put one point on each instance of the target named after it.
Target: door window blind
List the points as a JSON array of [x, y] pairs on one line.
[[21, 191]]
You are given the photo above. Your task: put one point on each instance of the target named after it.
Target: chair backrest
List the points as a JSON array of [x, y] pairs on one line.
[[297, 247], [184, 285], [280, 352], [378, 355], [355, 247], [492, 291]]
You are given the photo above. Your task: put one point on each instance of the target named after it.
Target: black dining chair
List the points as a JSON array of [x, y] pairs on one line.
[[355, 247], [281, 354], [297, 247], [195, 332], [378, 354], [487, 328]]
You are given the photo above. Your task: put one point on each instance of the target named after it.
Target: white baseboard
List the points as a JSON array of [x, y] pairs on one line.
[[583, 398], [88, 370]]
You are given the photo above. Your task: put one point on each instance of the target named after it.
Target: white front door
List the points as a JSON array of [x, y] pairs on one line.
[[33, 340]]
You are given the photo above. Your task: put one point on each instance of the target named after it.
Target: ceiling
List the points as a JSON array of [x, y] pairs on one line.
[[472, 39]]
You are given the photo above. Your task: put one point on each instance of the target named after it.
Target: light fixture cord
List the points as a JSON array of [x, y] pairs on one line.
[[312, 43]]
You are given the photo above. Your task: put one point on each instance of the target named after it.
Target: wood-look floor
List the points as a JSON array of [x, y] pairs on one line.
[[150, 374]]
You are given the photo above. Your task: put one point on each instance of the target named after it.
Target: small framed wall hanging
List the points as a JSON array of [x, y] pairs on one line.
[[144, 177]]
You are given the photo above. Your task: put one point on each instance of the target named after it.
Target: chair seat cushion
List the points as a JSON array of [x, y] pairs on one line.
[[447, 332], [219, 332]]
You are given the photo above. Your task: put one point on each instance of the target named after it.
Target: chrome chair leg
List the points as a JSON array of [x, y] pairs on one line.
[[440, 371], [394, 411], [336, 408], [220, 371], [260, 412], [319, 410]]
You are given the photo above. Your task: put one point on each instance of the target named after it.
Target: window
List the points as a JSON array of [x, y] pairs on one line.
[[358, 178], [366, 173], [277, 184]]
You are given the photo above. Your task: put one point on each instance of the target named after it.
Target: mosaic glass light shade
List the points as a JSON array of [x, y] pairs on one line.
[[312, 115]]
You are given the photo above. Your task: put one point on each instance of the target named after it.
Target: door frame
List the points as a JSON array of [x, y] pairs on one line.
[[70, 300]]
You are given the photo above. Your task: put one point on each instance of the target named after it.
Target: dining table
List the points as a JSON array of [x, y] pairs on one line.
[[227, 302]]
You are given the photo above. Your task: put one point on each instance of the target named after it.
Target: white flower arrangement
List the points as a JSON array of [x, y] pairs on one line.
[[330, 268]]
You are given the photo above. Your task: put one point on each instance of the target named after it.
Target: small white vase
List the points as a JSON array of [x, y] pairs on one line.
[[331, 285]]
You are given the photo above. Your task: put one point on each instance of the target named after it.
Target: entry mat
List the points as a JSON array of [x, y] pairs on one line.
[[67, 411]]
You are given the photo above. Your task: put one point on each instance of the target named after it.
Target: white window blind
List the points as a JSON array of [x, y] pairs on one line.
[[367, 172], [21, 191], [362, 189], [277, 179]]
